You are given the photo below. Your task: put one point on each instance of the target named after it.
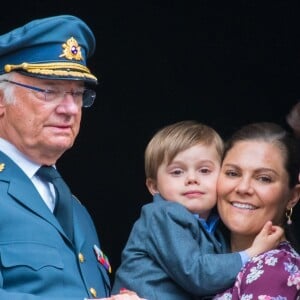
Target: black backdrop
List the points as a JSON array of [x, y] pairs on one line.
[[220, 62]]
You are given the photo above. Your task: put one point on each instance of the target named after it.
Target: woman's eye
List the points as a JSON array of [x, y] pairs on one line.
[[265, 179], [231, 173]]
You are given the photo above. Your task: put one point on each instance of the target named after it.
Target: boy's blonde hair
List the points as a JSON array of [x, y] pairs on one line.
[[175, 138]]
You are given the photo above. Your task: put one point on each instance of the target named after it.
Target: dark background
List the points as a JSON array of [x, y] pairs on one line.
[[220, 62]]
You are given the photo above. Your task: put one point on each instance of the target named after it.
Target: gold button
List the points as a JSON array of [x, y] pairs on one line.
[[81, 257], [93, 292]]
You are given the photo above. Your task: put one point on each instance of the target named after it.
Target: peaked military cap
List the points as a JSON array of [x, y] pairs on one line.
[[55, 47]]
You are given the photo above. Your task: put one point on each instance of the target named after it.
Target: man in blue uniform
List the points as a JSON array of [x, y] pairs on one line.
[[43, 87]]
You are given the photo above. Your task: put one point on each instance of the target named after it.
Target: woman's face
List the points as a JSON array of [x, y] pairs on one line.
[[253, 187]]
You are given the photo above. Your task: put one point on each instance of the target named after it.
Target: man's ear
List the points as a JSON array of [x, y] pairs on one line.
[[2, 103], [152, 186]]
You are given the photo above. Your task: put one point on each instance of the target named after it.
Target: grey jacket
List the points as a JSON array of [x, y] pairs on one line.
[[170, 256]]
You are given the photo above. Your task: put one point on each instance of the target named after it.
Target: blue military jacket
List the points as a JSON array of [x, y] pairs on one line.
[[37, 261], [170, 256]]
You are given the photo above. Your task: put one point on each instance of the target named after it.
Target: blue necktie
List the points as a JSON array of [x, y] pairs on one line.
[[63, 206]]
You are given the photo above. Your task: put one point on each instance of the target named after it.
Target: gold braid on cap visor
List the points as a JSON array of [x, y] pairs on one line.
[[58, 69]]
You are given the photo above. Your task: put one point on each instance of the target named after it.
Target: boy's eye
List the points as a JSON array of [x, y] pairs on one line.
[[205, 170], [176, 172]]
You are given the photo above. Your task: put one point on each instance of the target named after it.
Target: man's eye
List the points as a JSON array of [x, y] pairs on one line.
[[51, 92], [78, 93]]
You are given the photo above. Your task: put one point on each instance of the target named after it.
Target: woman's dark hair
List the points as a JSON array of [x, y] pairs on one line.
[[289, 145]]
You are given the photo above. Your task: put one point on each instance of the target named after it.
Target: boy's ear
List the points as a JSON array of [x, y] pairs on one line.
[[152, 186]]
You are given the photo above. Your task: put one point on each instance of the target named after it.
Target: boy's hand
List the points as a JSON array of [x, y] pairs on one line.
[[268, 238], [124, 295]]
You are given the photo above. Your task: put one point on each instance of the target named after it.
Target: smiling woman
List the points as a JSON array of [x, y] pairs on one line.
[[258, 182]]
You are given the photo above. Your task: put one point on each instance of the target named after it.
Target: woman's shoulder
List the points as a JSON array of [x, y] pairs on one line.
[[275, 274], [283, 251], [282, 264], [284, 258]]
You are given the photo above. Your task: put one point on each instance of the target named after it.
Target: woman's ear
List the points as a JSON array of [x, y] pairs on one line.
[[295, 197], [152, 186]]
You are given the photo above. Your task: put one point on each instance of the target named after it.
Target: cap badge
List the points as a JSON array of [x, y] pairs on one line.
[[2, 166], [71, 49]]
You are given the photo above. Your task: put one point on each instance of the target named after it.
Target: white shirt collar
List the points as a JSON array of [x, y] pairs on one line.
[[28, 167]]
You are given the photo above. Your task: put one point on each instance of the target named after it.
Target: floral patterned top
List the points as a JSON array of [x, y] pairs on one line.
[[273, 275]]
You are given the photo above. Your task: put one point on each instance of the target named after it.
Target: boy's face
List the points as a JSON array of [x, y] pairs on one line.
[[190, 179]]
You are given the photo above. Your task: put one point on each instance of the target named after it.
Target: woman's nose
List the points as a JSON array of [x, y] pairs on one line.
[[244, 186]]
